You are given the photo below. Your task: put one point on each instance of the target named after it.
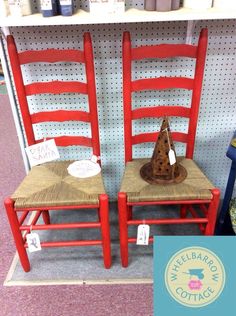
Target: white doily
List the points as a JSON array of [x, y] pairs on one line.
[[84, 168]]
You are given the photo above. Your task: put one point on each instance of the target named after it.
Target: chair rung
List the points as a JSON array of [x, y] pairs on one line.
[[69, 243], [61, 226], [171, 202], [164, 51], [23, 217], [56, 208], [51, 56], [133, 240], [164, 221]]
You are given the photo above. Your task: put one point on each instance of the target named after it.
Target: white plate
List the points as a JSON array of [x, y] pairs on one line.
[[84, 169]]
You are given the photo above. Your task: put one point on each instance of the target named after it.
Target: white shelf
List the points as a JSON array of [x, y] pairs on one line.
[[131, 15]]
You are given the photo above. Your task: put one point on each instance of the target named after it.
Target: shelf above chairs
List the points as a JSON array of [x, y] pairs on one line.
[[129, 16]]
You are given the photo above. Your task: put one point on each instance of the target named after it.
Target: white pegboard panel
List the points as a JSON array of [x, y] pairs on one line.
[[217, 119]]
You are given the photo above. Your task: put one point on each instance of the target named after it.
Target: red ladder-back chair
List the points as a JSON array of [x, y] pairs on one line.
[[64, 192], [188, 195]]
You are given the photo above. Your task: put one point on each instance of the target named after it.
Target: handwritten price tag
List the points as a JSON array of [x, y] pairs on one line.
[[42, 152], [143, 235], [46, 4]]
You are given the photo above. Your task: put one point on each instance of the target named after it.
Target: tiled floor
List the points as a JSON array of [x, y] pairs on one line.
[[83, 300]]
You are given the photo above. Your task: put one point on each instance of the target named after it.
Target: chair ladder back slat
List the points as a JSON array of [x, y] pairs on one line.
[[60, 116], [162, 83], [196, 95], [56, 87], [70, 141], [51, 56], [127, 79], [20, 89], [159, 111], [164, 51], [152, 137], [91, 87]]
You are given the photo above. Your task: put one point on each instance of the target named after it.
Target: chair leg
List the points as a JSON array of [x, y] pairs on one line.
[[212, 212], [123, 215], [14, 223], [129, 213], [183, 211], [105, 230], [98, 213], [46, 217]]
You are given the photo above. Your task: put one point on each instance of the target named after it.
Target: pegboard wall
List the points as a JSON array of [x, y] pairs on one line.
[[217, 119]]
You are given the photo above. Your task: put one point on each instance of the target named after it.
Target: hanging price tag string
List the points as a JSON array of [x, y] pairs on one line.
[[171, 153]]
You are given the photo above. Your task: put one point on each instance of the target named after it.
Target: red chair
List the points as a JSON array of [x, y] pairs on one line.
[[195, 191], [49, 186]]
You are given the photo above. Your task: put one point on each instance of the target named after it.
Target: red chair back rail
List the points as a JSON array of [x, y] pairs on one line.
[[84, 56], [51, 56], [164, 51], [194, 84]]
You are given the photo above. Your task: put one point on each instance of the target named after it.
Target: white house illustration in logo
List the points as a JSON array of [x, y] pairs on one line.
[[195, 277]]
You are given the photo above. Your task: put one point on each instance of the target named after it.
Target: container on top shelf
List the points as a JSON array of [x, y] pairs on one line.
[[197, 4], [175, 5], [4, 8], [163, 5], [107, 6], [150, 5], [66, 7], [19, 7], [224, 4], [49, 7]]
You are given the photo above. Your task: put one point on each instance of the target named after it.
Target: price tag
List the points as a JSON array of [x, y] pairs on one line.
[[65, 2], [46, 4], [172, 157], [33, 242], [42, 152], [143, 235]]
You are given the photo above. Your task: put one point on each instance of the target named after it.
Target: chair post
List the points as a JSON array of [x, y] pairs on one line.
[[212, 212], [92, 97], [14, 223], [197, 90], [183, 211], [46, 217], [20, 89], [105, 229], [123, 215], [127, 81], [130, 213]]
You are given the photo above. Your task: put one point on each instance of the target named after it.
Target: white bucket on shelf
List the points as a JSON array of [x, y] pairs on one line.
[[197, 4], [224, 4]]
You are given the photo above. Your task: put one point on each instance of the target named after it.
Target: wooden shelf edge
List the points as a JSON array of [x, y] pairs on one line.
[[130, 16]]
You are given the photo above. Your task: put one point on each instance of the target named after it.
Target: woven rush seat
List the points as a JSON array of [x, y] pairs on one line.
[[195, 186], [50, 184]]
